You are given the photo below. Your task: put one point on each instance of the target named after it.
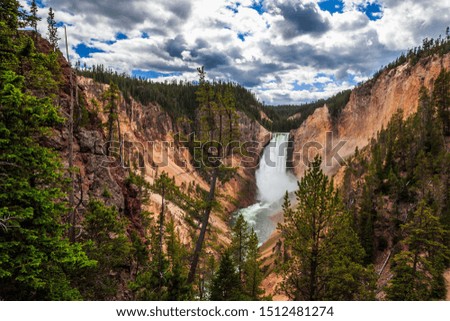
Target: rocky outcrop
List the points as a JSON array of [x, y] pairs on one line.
[[369, 109]]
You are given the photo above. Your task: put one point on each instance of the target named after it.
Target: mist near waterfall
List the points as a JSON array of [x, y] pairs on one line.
[[272, 179]]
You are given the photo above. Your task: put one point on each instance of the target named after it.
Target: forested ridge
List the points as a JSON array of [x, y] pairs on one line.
[[398, 192], [178, 98], [392, 211]]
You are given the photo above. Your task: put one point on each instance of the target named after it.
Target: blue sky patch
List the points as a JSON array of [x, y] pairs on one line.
[[313, 87], [118, 36], [121, 36], [233, 9], [258, 6], [84, 51], [39, 3], [302, 86], [152, 74], [242, 35], [145, 35], [372, 10], [332, 6]]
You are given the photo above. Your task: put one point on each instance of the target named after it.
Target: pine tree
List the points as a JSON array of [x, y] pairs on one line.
[[12, 15], [36, 261], [324, 249], [367, 218], [418, 269], [239, 243], [52, 30], [229, 103], [164, 186], [104, 241], [150, 284], [10, 20], [34, 17], [206, 271], [214, 150], [226, 284], [165, 276], [252, 272], [111, 97], [441, 97], [178, 289]]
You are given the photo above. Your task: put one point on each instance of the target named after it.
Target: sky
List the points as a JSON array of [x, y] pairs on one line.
[[285, 51]]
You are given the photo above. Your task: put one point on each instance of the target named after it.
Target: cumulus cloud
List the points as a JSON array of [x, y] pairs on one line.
[[286, 51], [299, 18]]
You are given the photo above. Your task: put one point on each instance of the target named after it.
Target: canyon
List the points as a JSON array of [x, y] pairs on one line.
[[369, 109]]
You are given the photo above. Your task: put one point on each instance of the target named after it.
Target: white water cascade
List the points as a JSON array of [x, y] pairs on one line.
[[272, 181]]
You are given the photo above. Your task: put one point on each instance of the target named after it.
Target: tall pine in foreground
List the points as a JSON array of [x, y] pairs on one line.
[[253, 275], [226, 284], [36, 260], [239, 247], [216, 130], [104, 241], [164, 275], [325, 255], [239, 276], [418, 269], [52, 29], [34, 18]]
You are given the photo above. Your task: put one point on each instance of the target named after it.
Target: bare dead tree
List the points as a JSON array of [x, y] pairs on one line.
[[72, 218]]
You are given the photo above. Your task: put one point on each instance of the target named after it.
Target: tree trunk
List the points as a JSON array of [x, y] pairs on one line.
[[72, 219], [240, 256], [120, 140], [110, 130], [161, 231], [201, 237]]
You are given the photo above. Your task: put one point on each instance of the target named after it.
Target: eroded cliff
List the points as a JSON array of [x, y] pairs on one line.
[[148, 147], [369, 109]]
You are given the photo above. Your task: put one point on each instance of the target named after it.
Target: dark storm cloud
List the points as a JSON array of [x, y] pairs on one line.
[[298, 54], [211, 60], [182, 9], [248, 78], [124, 13], [362, 54], [205, 55], [301, 19], [163, 67], [127, 14], [176, 46]]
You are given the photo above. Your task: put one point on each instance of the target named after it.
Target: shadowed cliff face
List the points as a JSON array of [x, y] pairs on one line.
[[369, 109]]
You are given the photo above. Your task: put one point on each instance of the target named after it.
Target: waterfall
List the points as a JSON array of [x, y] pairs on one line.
[[272, 181]]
